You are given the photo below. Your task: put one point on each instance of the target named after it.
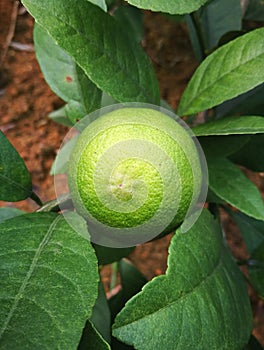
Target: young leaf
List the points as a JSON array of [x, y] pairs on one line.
[[59, 116], [169, 6], [202, 290], [15, 180], [228, 182], [252, 154], [228, 72], [256, 269], [251, 229], [231, 125], [74, 111], [99, 45], [48, 282], [62, 74], [8, 213]]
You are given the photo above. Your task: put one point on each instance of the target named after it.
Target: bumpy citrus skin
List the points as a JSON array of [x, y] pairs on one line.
[[131, 165]]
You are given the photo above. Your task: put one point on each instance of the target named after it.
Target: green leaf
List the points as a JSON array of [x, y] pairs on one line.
[[64, 77], [131, 19], [48, 282], [219, 17], [132, 282], [74, 111], [15, 180], [101, 317], [59, 116], [222, 146], [213, 198], [249, 103], [131, 278], [169, 6], [218, 20], [253, 344], [256, 269], [252, 154], [100, 3], [228, 72], [195, 36], [202, 290], [99, 45], [252, 230], [8, 213], [57, 66], [118, 345], [231, 125], [60, 163], [107, 255], [107, 100], [92, 339], [255, 11], [228, 182]]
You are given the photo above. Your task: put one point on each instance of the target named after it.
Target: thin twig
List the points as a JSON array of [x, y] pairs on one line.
[[21, 47], [11, 31], [61, 203]]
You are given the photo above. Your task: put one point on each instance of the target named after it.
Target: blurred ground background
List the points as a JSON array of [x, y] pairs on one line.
[[26, 100]]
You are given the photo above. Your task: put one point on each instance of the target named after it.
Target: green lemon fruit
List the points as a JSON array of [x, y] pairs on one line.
[[134, 171]]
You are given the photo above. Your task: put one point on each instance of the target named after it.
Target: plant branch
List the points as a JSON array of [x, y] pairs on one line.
[[58, 204], [36, 199], [11, 31]]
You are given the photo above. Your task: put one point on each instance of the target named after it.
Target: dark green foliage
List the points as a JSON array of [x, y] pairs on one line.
[[91, 55]]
